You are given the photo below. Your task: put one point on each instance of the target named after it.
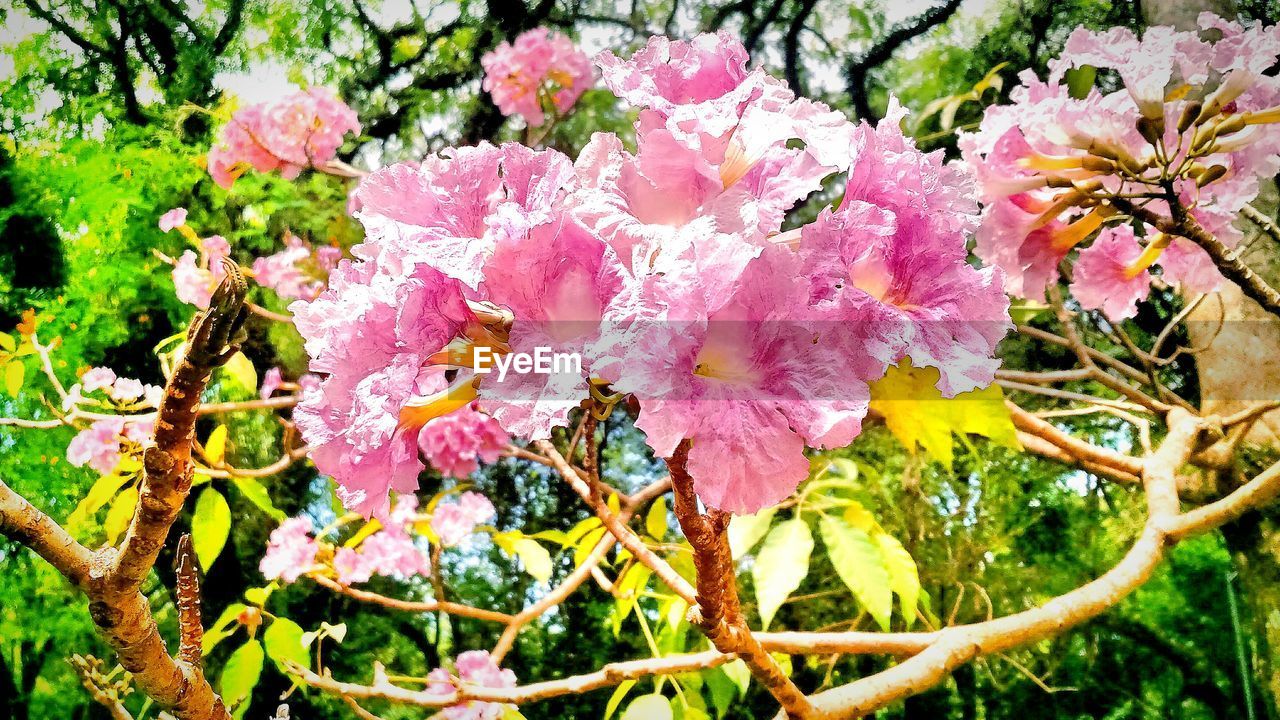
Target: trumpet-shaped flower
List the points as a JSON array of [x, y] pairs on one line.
[[1109, 274]]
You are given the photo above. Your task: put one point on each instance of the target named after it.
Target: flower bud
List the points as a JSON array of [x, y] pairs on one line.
[[1151, 129], [1214, 173], [1190, 112]]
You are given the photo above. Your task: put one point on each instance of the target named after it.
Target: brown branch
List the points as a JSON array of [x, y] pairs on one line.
[[428, 606], [718, 611], [187, 598], [1076, 448]]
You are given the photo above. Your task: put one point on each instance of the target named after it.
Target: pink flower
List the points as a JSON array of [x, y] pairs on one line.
[[97, 446], [195, 278], [475, 668], [172, 219], [297, 131], [140, 431], [291, 551], [296, 271], [97, 378], [453, 522], [351, 566], [394, 554], [1109, 276], [373, 335], [457, 443], [740, 376], [271, 381], [539, 63]]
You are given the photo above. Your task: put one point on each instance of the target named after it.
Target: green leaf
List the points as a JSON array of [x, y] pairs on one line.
[[256, 493], [1080, 80], [14, 373], [649, 707], [723, 691], [210, 526], [240, 674], [240, 369], [781, 564], [655, 523], [904, 576], [222, 629], [120, 514], [740, 674], [628, 588], [859, 564], [619, 694], [7, 343], [283, 640], [747, 530]]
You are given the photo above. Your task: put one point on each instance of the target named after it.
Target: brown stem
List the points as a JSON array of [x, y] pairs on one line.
[[718, 612]]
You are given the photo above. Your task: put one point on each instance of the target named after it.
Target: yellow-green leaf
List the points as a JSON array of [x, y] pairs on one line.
[[223, 628], [917, 414], [210, 526], [649, 707], [240, 674], [858, 562], [655, 523], [747, 530], [781, 564], [619, 694], [241, 370], [7, 343], [283, 641], [904, 576], [536, 559], [257, 494], [14, 373], [120, 514], [104, 488], [215, 448]]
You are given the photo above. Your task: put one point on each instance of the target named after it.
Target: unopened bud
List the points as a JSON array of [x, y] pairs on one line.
[[1233, 124], [1151, 129], [1098, 164], [1189, 114], [1214, 173]]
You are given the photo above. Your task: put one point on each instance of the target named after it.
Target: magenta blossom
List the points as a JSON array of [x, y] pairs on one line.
[[289, 134], [477, 669], [291, 551], [541, 68], [457, 443]]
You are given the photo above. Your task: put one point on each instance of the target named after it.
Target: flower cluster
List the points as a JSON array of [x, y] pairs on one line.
[[454, 522], [664, 272], [298, 271], [457, 443], [289, 134], [98, 445], [1187, 138], [542, 70], [391, 551], [475, 668]]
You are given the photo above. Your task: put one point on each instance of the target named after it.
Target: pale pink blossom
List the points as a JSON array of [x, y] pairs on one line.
[[297, 271], [394, 554], [196, 277], [176, 217], [98, 445], [304, 129], [271, 381], [351, 566], [97, 378], [474, 668], [457, 443], [454, 522], [127, 389], [291, 551], [539, 64]]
